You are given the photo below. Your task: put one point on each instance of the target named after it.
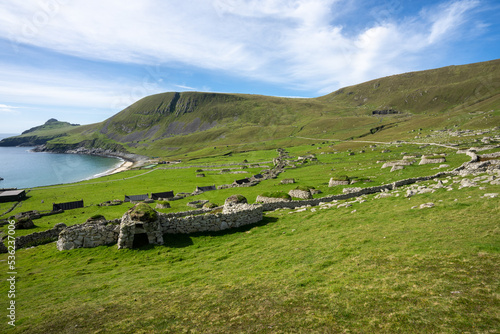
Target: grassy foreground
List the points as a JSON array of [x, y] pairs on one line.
[[383, 268]]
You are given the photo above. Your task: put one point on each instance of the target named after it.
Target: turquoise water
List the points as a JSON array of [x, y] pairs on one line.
[[21, 168]]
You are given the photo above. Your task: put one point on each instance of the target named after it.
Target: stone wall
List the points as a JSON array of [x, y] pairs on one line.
[[89, 235], [297, 193], [39, 237], [122, 231], [233, 216], [264, 199]]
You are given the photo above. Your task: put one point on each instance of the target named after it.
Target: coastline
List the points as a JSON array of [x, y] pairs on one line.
[[129, 160]]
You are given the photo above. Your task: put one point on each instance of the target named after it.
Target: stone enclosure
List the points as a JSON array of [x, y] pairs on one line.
[[131, 231]]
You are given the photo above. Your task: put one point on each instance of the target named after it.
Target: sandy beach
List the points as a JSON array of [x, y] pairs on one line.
[[126, 165]]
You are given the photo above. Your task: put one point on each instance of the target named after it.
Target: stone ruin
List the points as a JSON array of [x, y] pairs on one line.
[[142, 225]]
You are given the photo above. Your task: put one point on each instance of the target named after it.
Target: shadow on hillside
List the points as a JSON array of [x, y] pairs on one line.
[[184, 240]]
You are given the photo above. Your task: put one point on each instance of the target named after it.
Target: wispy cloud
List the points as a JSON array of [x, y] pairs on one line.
[[298, 44], [4, 108]]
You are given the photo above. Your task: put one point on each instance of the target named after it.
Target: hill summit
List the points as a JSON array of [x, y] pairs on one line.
[[193, 124]]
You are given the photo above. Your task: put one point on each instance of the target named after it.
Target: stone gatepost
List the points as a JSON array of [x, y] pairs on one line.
[[140, 226]]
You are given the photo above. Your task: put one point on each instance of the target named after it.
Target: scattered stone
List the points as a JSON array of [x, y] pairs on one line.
[[426, 205], [287, 181], [491, 195], [425, 160], [396, 168], [351, 190]]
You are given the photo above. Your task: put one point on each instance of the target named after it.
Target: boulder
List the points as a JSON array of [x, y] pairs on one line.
[[426, 205], [24, 223]]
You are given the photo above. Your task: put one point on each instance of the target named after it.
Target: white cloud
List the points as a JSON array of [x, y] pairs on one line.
[[449, 16], [4, 108], [295, 43]]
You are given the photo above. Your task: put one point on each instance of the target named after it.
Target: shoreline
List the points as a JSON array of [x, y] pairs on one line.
[[129, 160]]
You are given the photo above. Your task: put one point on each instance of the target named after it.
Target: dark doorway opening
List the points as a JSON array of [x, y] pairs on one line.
[[140, 239]]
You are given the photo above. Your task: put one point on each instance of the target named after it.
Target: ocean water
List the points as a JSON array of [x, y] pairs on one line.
[[21, 168]]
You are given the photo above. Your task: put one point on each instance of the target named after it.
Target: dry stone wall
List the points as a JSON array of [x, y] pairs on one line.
[[89, 235], [39, 237], [297, 193], [264, 199], [232, 216], [122, 231]]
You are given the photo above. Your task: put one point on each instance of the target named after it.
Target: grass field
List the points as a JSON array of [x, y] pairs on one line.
[[380, 266], [383, 268]]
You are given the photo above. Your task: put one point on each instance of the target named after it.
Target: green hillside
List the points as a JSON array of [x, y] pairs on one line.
[[194, 124]]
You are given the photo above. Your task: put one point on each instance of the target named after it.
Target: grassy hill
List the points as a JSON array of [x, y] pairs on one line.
[[40, 135], [375, 264], [193, 124]]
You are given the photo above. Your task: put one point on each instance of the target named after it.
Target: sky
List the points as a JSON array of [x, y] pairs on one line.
[[82, 61]]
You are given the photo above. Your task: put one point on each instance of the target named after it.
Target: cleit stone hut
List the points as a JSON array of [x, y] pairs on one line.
[[139, 227]]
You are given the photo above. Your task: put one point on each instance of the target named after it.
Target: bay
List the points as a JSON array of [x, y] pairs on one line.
[[21, 168]]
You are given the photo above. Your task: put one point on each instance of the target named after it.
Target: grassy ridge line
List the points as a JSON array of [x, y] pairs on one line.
[[184, 125]]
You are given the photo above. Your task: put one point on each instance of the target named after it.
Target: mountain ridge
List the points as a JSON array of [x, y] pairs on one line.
[[175, 124]]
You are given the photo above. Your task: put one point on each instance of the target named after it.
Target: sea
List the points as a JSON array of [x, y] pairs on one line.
[[21, 168]]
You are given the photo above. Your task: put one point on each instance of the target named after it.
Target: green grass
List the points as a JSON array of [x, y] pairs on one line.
[[277, 194], [361, 166], [384, 268]]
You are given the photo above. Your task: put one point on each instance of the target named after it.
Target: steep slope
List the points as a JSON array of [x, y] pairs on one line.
[[193, 124], [430, 91]]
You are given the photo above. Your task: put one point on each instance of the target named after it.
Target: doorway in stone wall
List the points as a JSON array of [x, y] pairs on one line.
[[140, 239]]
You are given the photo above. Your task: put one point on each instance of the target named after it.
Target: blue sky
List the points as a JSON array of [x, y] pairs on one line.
[[84, 60]]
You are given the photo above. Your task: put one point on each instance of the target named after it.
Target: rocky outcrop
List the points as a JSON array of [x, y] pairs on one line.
[[432, 160]]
